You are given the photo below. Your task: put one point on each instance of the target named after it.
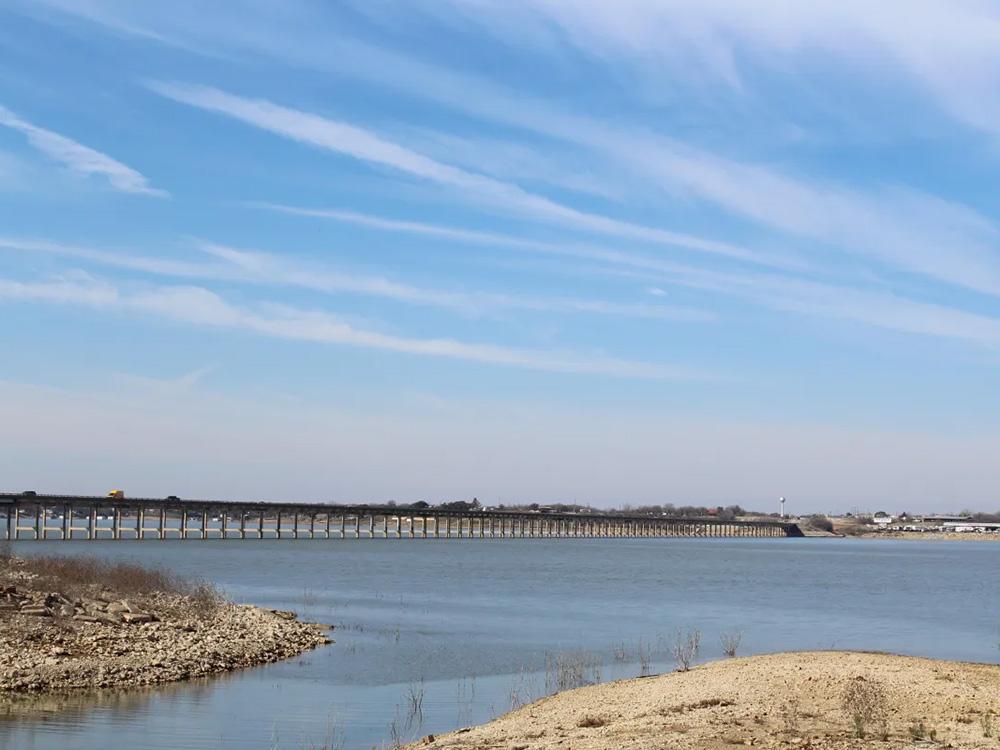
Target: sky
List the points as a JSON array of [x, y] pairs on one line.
[[688, 251]]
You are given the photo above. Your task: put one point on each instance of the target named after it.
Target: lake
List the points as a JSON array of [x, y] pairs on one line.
[[464, 629]]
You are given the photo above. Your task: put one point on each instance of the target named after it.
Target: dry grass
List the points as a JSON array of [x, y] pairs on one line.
[[865, 702], [82, 575]]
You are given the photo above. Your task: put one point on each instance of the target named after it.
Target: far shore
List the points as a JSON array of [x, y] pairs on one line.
[[821, 700], [940, 536], [84, 624]]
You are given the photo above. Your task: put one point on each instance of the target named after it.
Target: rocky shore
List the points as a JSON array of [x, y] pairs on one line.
[[818, 700], [58, 635]]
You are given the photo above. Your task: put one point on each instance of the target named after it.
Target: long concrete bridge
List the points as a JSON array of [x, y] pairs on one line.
[[39, 517]]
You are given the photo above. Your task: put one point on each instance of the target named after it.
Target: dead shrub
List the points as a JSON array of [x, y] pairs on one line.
[[867, 706], [685, 648], [591, 722], [731, 641], [571, 670]]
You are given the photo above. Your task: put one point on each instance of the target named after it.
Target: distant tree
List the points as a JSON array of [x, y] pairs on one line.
[[819, 522]]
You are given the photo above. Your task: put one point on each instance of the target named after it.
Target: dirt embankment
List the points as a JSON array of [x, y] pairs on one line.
[[796, 700], [78, 623]]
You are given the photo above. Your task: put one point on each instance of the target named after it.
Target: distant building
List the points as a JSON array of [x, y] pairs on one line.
[[939, 518], [882, 518], [972, 527]]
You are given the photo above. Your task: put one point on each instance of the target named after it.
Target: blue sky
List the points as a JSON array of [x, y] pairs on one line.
[[644, 251]]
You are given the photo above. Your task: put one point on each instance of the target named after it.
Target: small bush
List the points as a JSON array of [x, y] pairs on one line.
[[731, 641], [685, 647], [590, 722], [866, 704], [571, 670]]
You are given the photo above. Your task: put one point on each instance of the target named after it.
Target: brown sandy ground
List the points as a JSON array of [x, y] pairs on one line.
[[793, 700], [60, 631]]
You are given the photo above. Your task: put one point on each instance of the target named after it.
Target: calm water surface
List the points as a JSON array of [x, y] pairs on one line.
[[468, 624]]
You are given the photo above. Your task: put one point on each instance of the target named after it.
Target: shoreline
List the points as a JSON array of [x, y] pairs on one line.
[[92, 637], [786, 700]]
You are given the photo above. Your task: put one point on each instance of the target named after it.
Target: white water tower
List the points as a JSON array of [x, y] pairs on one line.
[[781, 500]]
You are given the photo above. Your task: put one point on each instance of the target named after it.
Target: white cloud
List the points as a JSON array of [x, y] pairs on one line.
[[358, 143], [79, 158], [778, 292], [949, 49], [265, 268], [199, 306]]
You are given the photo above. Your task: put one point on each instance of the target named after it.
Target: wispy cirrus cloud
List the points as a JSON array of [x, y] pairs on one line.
[[879, 308], [79, 158], [202, 307], [276, 269], [893, 225], [365, 145], [947, 49]]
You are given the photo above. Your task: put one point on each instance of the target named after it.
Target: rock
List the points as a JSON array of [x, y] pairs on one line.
[[36, 611], [136, 618], [284, 614], [85, 618], [116, 608]]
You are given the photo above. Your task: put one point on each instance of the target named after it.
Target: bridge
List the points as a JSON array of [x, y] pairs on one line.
[[31, 516]]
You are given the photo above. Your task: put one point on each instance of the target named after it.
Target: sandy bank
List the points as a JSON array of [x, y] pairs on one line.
[[932, 535], [87, 636], [783, 700]]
